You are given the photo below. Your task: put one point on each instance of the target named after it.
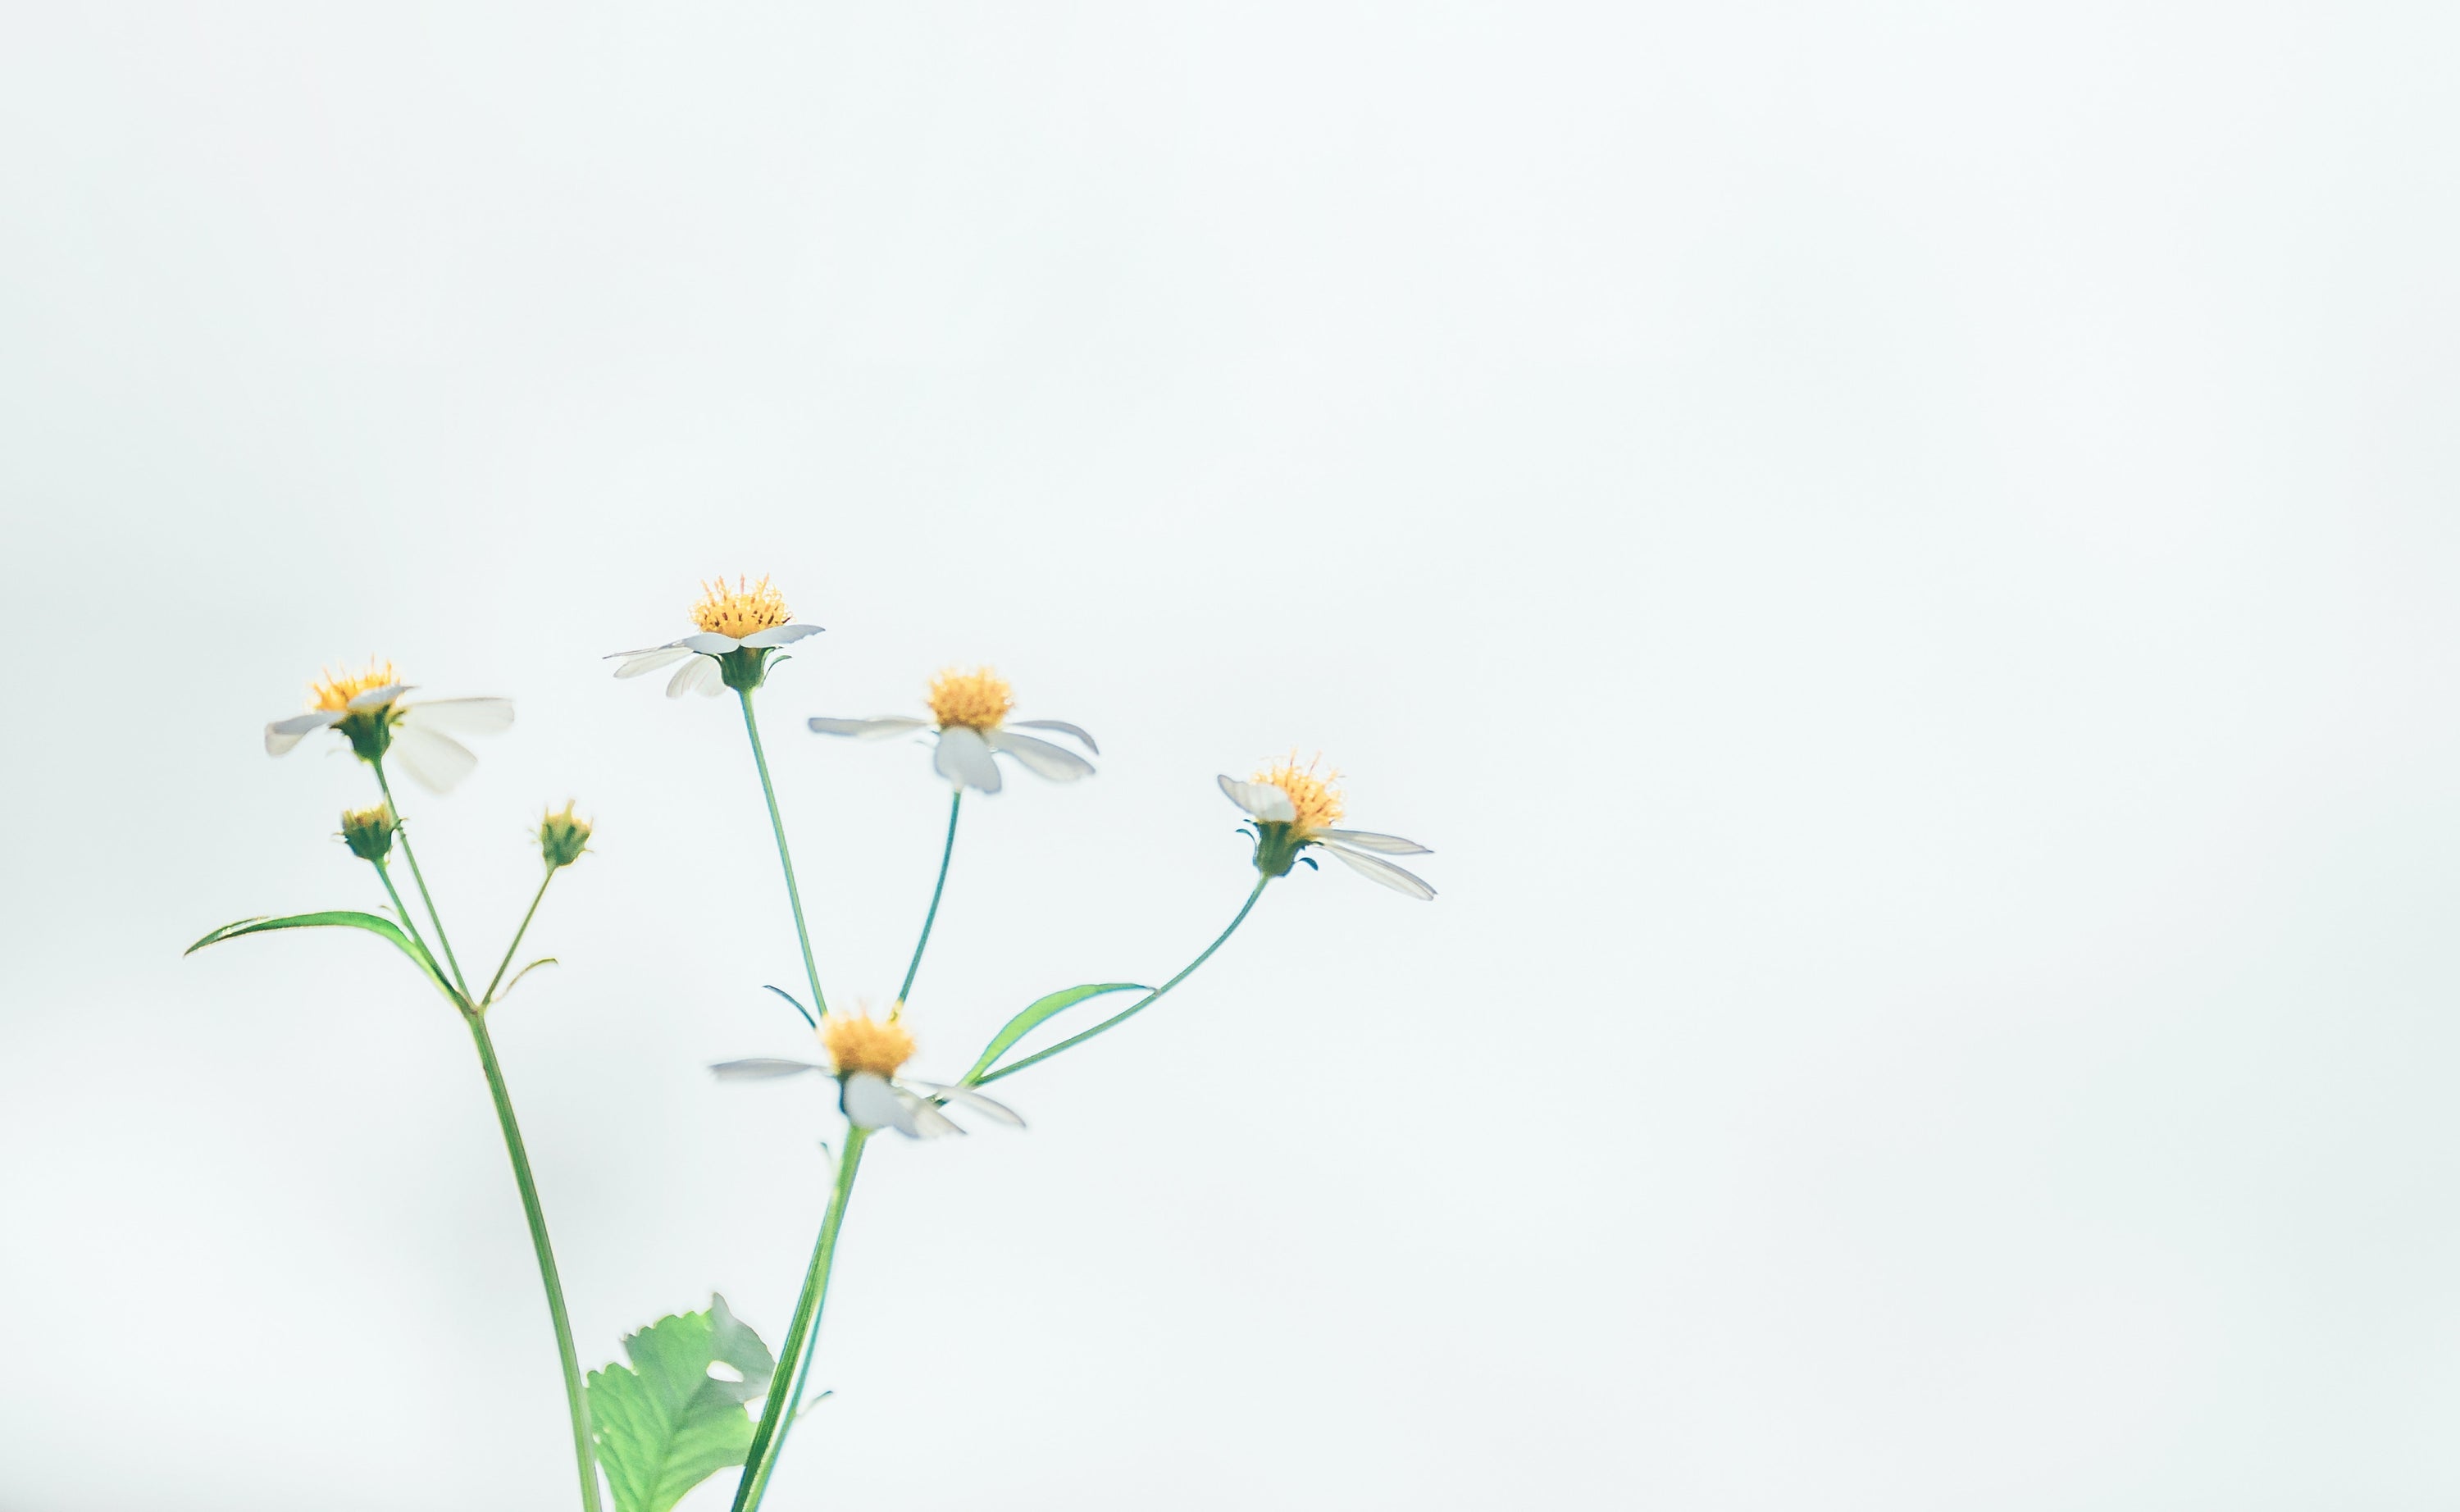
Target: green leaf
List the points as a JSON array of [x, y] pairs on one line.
[[665, 1424], [1035, 1012], [544, 960], [338, 917]]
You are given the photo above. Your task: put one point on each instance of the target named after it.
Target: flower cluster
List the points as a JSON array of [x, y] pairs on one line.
[[656, 1426]]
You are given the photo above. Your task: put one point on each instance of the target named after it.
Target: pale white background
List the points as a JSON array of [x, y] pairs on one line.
[[1901, 554]]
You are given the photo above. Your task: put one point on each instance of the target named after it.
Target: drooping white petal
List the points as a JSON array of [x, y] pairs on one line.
[[970, 1097], [870, 1102], [699, 674], [636, 663], [284, 734], [963, 759], [1060, 724], [880, 729], [782, 635], [1041, 758], [761, 1068], [439, 762], [709, 643], [1368, 839], [467, 717], [712, 682], [378, 697], [929, 1122], [1261, 800], [1383, 871]]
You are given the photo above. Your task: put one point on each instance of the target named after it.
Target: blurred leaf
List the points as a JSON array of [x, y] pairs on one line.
[[341, 918], [665, 1424], [1040, 1009]]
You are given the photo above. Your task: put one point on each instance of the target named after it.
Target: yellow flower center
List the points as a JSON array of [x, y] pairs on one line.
[[978, 700], [334, 691], [746, 608], [1316, 798], [858, 1042]]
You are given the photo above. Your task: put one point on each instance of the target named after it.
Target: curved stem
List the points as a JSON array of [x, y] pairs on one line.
[[947, 850], [777, 827], [1141, 1004], [536, 899], [420, 877], [801, 1340], [574, 1395]]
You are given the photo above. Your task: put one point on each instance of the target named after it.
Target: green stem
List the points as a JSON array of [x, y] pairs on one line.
[[947, 850], [408, 921], [776, 1415], [777, 827], [535, 900], [573, 1393], [1141, 1004], [420, 877]]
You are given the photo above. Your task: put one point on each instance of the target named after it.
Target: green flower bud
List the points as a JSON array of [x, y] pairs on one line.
[[562, 837], [369, 832]]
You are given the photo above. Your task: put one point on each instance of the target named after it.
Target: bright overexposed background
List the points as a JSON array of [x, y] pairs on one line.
[[1902, 555]]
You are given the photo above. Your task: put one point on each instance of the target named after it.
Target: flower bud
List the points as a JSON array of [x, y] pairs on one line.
[[369, 832], [562, 837]]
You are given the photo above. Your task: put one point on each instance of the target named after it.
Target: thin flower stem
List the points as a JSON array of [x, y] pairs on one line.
[[574, 1395], [802, 1338], [420, 877], [535, 900], [408, 921], [785, 860], [1141, 1004], [955, 800]]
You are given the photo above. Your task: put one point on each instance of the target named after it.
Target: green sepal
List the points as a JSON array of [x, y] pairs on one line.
[[343, 918], [1040, 1009], [665, 1424]]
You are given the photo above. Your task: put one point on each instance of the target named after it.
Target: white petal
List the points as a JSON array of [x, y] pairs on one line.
[[284, 734], [1261, 800], [929, 1122], [1368, 839], [964, 758], [712, 682], [782, 635], [761, 1068], [636, 663], [1385, 872], [880, 729], [1060, 724], [709, 643], [970, 1099], [437, 761], [871, 1103], [378, 698], [700, 675], [467, 717], [1041, 758]]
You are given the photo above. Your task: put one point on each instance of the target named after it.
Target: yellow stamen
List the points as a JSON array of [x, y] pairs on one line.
[[334, 691], [743, 610], [978, 700], [1316, 799], [858, 1042]]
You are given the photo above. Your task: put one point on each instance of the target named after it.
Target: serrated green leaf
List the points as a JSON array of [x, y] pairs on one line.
[[343, 918], [665, 1424], [1040, 1009]]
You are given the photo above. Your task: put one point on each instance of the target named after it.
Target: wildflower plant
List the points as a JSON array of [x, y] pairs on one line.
[[680, 1407]]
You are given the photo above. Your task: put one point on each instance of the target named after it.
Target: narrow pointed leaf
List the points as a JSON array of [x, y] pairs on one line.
[[1040, 1009], [544, 960], [341, 918], [665, 1424]]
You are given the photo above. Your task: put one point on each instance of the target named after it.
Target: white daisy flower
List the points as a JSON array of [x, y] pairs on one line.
[[739, 626], [969, 718], [366, 707], [864, 1056], [1294, 808]]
